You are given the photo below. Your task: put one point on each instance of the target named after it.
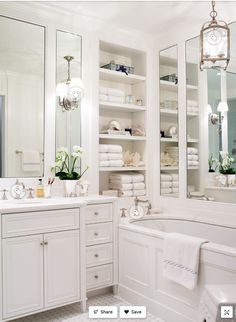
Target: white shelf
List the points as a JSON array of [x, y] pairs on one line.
[[108, 169], [169, 140], [192, 114], [168, 111], [120, 77], [172, 87], [122, 137], [169, 168], [193, 141], [121, 107], [192, 87], [193, 168], [175, 195]]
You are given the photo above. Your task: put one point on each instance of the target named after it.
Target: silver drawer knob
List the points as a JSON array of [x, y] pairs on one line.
[[95, 234], [96, 276], [96, 213], [96, 255]]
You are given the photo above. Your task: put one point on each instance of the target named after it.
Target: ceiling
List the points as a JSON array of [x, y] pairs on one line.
[[145, 16]]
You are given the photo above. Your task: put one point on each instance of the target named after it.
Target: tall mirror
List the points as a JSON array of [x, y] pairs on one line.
[[68, 129], [21, 98], [169, 133], [214, 179]]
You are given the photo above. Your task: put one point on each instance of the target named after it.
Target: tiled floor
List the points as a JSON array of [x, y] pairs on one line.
[[71, 313]]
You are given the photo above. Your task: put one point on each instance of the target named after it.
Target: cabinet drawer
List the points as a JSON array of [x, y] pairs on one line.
[[18, 224], [98, 234], [99, 276], [99, 255], [98, 213]]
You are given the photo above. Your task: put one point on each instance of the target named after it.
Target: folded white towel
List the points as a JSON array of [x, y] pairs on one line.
[[192, 150], [103, 156], [122, 178], [138, 177], [121, 186], [138, 186], [166, 177], [175, 177], [137, 193], [103, 98], [111, 148], [115, 99], [116, 163], [192, 157], [31, 161], [102, 90], [181, 258], [115, 148], [175, 190], [166, 184], [175, 184], [192, 103], [128, 193], [165, 191], [104, 163], [193, 163], [115, 92], [115, 156]]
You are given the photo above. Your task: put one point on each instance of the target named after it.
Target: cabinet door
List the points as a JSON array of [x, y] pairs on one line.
[[61, 258], [22, 275]]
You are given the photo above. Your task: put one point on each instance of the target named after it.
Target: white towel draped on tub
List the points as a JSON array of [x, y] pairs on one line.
[[181, 258], [31, 161]]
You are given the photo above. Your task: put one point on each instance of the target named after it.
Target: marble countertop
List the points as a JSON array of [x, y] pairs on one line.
[[37, 204]]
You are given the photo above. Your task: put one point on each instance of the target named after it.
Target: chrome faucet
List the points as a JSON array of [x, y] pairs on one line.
[[149, 205]]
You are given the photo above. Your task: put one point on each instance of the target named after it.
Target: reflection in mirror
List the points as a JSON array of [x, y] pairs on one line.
[[21, 99], [169, 132], [68, 122], [215, 177]]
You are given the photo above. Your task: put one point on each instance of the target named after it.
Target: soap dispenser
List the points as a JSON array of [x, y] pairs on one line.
[[39, 192]]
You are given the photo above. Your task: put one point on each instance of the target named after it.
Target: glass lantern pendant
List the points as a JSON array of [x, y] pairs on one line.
[[215, 43]]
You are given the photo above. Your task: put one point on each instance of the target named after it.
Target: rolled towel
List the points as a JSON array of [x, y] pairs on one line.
[[121, 186], [192, 151], [175, 190], [166, 177], [175, 184], [103, 156], [115, 92], [138, 186], [122, 178], [113, 148], [192, 157], [104, 148], [166, 184], [116, 163], [104, 163], [137, 193], [165, 191], [115, 156], [103, 98], [115, 99], [139, 177], [175, 177], [102, 90], [128, 193]]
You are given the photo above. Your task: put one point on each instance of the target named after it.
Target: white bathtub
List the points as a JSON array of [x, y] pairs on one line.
[[140, 273]]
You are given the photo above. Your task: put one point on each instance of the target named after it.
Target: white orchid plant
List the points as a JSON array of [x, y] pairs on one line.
[[226, 163], [66, 167]]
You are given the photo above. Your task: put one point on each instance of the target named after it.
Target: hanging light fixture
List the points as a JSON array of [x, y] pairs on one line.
[[215, 43], [70, 92]]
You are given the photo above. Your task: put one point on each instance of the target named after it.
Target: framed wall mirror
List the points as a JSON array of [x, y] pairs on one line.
[[68, 127], [21, 98], [214, 126], [169, 132]]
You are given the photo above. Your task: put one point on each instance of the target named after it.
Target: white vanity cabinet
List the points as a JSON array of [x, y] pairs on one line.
[[40, 260], [101, 246]]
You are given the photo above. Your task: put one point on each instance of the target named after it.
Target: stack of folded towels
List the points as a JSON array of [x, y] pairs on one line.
[[192, 106], [110, 155], [193, 160], [114, 95], [128, 184], [173, 153], [169, 183]]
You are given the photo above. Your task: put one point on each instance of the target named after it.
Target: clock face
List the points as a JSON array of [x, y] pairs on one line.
[[214, 36]]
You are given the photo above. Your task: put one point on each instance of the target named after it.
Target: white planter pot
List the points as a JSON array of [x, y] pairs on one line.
[[230, 180], [69, 188], [211, 179]]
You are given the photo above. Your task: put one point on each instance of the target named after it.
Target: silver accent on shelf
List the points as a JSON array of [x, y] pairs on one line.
[[149, 205], [4, 195]]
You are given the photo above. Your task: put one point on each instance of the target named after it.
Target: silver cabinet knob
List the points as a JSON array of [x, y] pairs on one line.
[[95, 234], [95, 213], [96, 276], [45, 243], [96, 255]]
